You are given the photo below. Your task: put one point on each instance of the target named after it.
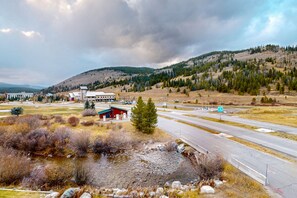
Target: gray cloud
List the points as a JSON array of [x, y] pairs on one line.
[[64, 37]]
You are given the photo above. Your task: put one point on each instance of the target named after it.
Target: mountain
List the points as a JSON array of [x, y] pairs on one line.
[[12, 88], [253, 71], [95, 78]]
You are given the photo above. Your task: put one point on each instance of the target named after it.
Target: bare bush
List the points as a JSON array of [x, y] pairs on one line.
[[170, 146], [80, 142], [118, 140], [209, 167], [60, 139], [100, 146], [36, 140], [59, 119], [33, 121], [89, 112], [13, 167], [87, 123], [73, 121], [22, 128], [82, 174], [48, 176], [9, 120]]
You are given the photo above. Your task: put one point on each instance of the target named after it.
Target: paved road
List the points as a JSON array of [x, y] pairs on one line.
[[280, 144], [282, 175], [266, 125]]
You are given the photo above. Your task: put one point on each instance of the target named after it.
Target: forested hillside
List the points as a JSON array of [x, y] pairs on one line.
[[266, 68]]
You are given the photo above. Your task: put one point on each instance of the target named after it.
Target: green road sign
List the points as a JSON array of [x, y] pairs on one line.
[[220, 109]]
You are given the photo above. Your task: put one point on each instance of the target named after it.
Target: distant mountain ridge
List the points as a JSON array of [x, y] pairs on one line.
[[12, 88], [243, 71]]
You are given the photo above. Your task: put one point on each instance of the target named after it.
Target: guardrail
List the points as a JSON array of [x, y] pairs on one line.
[[249, 171]]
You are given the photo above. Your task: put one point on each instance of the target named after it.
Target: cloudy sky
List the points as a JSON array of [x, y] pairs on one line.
[[45, 41]]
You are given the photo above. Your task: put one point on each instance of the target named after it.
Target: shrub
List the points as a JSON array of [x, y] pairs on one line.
[[37, 140], [45, 177], [88, 123], [82, 174], [59, 119], [209, 167], [73, 121], [60, 139], [89, 112], [13, 167], [100, 146], [80, 142], [21, 128], [33, 121]]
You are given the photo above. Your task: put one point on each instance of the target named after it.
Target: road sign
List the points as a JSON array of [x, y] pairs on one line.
[[220, 109]]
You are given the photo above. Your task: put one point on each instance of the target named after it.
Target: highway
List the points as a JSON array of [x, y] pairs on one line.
[[286, 146], [259, 124], [281, 174]]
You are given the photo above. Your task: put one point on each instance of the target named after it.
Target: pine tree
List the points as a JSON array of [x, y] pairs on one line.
[[137, 114], [87, 105], [92, 105], [150, 117], [17, 111]]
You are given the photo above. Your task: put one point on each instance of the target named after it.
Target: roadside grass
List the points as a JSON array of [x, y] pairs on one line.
[[277, 115], [43, 110], [229, 123], [240, 185], [284, 135], [263, 149], [20, 194]]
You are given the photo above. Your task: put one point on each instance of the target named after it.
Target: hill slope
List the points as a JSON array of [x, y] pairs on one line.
[[266, 68], [10, 88]]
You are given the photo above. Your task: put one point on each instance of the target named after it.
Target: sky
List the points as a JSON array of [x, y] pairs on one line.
[[43, 42]]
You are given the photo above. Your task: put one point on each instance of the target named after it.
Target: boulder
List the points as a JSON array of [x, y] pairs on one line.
[[181, 148], [159, 191], [69, 193], [141, 194], [86, 195], [207, 190], [218, 183], [52, 195], [163, 196], [152, 194], [167, 185], [176, 185], [121, 192]]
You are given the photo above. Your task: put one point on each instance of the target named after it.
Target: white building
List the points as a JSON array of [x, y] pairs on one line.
[[20, 96], [84, 94]]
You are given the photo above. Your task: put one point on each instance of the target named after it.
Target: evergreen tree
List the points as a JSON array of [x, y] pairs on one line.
[[87, 105], [137, 114], [17, 111], [150, 117], [92, 105]]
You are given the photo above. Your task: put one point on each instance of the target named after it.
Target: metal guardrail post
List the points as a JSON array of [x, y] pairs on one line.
[[266, 175]]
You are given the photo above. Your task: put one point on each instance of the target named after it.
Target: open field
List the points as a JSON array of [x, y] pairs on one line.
[[20, 194], [202, 97], [278, 115]]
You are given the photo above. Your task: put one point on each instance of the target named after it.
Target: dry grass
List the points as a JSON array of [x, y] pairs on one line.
[[16, 194], [262, 149], [199, 127], [229, 123], [240, 185], [278, 115], [284, 135]]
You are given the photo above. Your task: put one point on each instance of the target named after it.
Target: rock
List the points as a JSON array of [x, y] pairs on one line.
[[121, 192], [159, 191], [218, 183], [69, 156], [161, 147], [134, 193], [180, 148], [141, 194], [69, 193], [152, 194], [176, 185], [86, 195], [52, 195], [207, 190], [50, 155], [163, 196], [167, 185], [185, 188]]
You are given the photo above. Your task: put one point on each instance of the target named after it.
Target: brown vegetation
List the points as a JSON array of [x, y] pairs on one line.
[[73, 121]]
